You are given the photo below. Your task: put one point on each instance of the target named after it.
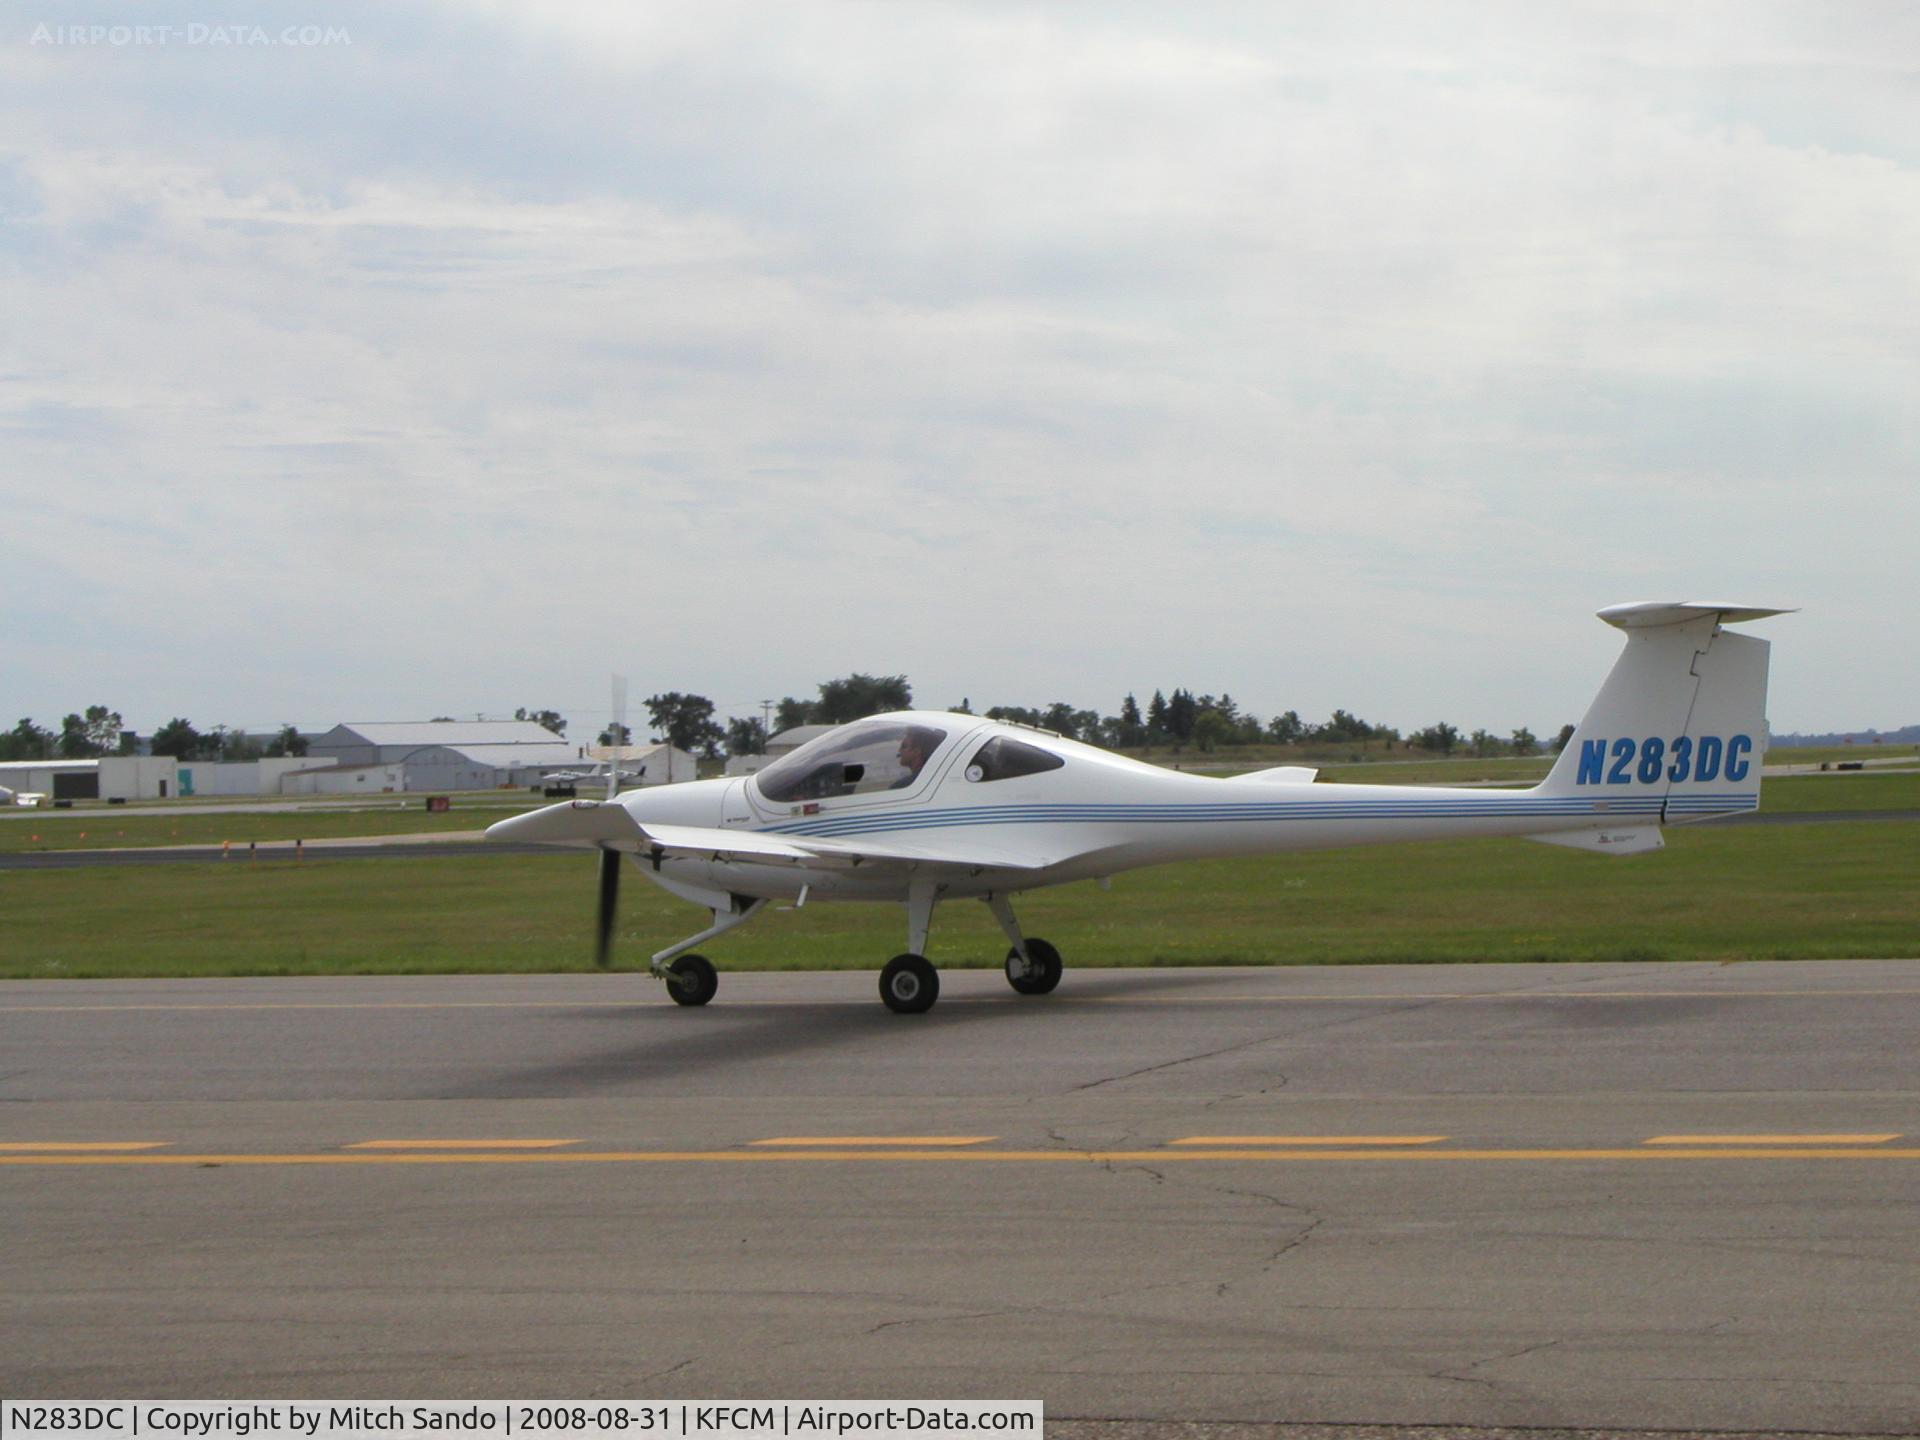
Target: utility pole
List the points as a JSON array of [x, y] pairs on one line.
[[766, 717]]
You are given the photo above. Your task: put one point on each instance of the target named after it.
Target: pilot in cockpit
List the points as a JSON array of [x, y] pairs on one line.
[[916, 745]]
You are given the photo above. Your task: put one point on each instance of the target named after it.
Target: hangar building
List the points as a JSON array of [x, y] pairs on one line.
[[444, 755], [115, 777], [448, 754]]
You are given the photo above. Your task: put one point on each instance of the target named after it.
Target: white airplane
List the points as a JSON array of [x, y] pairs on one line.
[[594, 773], [920, 806]]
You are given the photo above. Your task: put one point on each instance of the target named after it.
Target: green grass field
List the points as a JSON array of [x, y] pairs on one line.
[[1786, 892], [1817, 755], [1853, 790]]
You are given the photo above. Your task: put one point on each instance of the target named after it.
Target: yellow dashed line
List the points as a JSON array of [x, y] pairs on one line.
[[1771, 1139], [906, 1141], [82, 1145], [458, 1144], [959, 1156], [1230, 1140]]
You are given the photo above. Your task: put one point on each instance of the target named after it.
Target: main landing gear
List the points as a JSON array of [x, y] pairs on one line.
[[909, 984]]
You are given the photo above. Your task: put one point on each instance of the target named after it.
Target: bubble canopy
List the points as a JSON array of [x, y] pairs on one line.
[[865, 757]]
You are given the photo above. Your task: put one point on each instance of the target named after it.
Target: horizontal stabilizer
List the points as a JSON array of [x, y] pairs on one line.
[[1607, 842], [1643, 613]]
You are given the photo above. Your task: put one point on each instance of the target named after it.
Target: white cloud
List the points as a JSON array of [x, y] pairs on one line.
[[1347, 358]]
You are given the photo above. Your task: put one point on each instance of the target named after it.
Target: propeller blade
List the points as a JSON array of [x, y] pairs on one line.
[[609, 895]]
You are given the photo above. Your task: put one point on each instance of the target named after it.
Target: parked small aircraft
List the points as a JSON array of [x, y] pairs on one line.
[[595, 774], [921, 806]]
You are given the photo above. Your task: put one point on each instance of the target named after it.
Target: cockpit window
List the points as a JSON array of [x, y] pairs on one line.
[[855, 759], [1004, 758]]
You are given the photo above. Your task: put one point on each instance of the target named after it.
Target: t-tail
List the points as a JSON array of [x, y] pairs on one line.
[[1677, 733]]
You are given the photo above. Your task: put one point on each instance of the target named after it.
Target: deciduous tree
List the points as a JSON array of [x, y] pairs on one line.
[[546, 719], [686, 721], [179, 739], [27, 741], [746, 736], [854, 696], [289, 741]]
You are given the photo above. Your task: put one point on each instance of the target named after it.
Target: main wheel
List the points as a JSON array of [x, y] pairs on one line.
[[909, 985], [692, 980], [1045, 973]]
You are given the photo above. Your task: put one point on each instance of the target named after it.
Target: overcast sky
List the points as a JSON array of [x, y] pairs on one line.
[[1327, 355]]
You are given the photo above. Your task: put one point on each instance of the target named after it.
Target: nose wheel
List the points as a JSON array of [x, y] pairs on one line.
[[692, 980]]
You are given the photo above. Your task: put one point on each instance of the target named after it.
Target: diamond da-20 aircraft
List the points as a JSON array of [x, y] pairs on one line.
[[918, 807]]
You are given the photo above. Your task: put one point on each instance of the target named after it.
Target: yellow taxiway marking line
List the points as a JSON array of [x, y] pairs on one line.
[[85, 1146], [951, 1156], [1771, 1139], [900, 1141], [1053, 1003], [458, 1144], [1230, 1140]]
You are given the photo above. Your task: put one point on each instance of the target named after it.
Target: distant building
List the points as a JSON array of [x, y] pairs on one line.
[[266, 776], [447, 754], [114, 777]]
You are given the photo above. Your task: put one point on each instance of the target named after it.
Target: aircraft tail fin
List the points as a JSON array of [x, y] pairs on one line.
[[1678, 730]]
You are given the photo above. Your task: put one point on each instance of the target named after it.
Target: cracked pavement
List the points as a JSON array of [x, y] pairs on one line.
[[1217, 1299]]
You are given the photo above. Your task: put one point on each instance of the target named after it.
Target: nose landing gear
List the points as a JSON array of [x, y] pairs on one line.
[[692, 980]]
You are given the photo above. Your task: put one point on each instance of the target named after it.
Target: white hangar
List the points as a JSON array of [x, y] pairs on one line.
[[440, 755]]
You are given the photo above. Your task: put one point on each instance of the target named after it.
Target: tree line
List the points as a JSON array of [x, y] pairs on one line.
[[100, 731], [1179, 720], [1209, 723]]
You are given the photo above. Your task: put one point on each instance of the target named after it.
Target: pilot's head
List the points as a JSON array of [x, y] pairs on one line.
[[916, 745]]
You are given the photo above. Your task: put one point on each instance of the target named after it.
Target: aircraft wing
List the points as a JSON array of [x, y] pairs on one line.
[[803, 850], [596, 825]]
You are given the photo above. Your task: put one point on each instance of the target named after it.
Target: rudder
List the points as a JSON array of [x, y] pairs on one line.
[[1678, 730]]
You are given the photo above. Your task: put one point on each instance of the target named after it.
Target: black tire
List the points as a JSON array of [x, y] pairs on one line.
[[1048, 975], [692, 980], [909, 985]]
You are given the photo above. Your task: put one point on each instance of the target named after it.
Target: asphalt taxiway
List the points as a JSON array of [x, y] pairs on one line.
[[1659, 1196]]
